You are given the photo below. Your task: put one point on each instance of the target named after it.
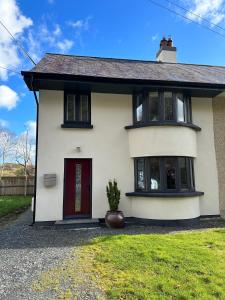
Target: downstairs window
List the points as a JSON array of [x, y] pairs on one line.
[[164, 174]]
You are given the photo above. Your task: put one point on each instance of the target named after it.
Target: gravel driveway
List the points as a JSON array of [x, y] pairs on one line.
[[26, 251]]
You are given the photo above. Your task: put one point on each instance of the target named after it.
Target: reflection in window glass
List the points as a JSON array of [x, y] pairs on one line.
[[154, 106], [155, 173], [191, 168], [71, 108], [139, 108], [168, 100], [183, 173], [188, 117], [180, 108], [170, 168], [84, 108], [78, 188], [140, 174]]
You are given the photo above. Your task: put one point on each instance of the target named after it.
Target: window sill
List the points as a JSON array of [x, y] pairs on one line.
[[76, 125], [165, 194], [190, 125]]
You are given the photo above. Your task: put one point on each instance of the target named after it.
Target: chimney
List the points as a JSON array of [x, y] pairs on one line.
[[167, 53]]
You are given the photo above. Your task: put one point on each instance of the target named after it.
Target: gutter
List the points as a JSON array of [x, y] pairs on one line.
[[36, 149]]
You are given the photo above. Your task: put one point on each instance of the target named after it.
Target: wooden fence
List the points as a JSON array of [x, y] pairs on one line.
[[15, 185]]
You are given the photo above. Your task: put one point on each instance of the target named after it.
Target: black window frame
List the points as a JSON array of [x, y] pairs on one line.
[[77, 123], [163, 188], [161, 118]]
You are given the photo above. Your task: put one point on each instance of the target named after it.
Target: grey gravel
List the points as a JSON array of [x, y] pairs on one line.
[[27, 251]]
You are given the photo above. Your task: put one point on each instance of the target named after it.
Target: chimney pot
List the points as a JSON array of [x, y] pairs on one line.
[[170, 42], [163, 42], [167, 52]]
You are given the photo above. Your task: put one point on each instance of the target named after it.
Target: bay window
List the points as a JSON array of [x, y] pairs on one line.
[[164, 174], [161, 107]]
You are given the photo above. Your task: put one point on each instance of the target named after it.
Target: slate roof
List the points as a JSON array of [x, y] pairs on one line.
[[113, 68]]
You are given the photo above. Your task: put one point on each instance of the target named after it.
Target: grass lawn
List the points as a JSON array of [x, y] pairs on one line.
[[188, 265], [9, 204]]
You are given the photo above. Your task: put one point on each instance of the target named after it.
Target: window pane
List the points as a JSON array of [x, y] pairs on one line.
[[170, 168], [188, 109], [168, 102], [140, 174], [180, 108], [139, 113], [154, 174], [84, 108], [154, 106], [78, 188], [70, 108], [183, 172], [192, 181]]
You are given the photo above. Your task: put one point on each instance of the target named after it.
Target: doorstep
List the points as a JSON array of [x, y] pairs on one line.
[[77, 223]]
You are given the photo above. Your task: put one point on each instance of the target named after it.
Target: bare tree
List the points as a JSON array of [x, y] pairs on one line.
[[23, 154], [6, 147]]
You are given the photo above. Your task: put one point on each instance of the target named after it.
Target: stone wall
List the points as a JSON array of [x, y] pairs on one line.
[[219, 131]]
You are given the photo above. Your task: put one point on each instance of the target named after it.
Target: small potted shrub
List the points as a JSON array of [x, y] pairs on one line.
[[113, 218]]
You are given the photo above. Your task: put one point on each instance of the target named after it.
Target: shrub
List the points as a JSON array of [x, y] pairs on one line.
[[113, 195]]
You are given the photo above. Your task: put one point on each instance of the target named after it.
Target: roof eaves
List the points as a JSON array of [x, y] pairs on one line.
[[70, 77]]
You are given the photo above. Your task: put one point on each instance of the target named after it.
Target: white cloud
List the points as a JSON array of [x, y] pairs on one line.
[[155, 37], [57, 31], [16, 22], [4, 123], [31, 127], [65, 45], [80, 25], [34, 46], [45, 35], [43, 38], [76, 24], [8, 97], [213, 10]]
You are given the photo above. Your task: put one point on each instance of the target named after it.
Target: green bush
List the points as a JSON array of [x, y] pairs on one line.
[[113, 195]]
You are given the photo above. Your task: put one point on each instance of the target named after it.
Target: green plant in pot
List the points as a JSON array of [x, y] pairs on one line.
[[113, 218]]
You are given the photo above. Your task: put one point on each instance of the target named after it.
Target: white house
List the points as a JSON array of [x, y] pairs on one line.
[[157, 127]]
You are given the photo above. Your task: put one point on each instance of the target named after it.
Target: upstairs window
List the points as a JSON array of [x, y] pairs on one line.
[[77, 108], [161, 107], [164, 174]]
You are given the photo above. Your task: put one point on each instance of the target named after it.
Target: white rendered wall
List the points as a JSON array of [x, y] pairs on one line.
[[111, 146], [206, 176], [165, 208], [162, 141], [106, 144]]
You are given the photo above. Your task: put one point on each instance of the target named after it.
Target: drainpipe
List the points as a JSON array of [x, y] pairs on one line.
[[36, 149]]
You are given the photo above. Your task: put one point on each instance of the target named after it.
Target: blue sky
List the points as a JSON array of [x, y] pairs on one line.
[[113, 28]]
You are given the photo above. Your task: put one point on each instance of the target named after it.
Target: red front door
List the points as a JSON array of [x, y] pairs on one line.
[[77, 195]]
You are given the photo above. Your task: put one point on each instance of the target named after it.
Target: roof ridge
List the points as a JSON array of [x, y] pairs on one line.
[[133, 60], [100, 57]]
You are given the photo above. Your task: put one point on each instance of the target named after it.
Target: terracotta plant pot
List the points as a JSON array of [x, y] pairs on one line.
[[114, 219]]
